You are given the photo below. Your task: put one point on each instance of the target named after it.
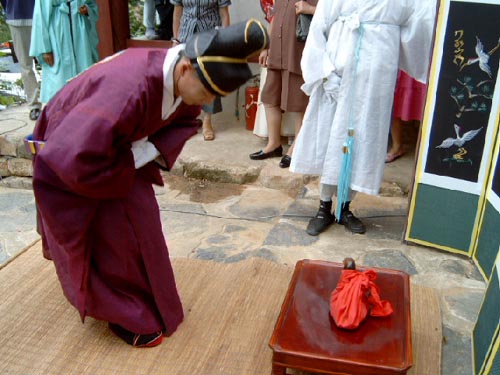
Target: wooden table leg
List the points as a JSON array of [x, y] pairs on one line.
[[278, 370]]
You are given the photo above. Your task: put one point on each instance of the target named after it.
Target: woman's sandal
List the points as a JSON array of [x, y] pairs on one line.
[[208, 134], [390, 157]]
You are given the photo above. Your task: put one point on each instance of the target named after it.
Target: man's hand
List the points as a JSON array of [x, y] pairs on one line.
[[48, 58], [83, 10], [304, 7], [263, 57], [331, 85]]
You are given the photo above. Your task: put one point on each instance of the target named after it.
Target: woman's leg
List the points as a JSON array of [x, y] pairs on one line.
[[396, 149], [208, 110], [273, 147], [270, 96], [298, 125], [273, 119], [207, 129]]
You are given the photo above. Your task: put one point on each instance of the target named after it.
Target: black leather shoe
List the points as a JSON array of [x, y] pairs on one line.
[[323, 219], [135, 339], [285, 161], [351, 222], [261, 155]]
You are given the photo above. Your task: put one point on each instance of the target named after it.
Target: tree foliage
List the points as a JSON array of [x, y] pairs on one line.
[[135, 12], [4, 29]]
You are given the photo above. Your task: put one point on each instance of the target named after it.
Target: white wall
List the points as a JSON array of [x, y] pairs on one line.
[[241, 10]]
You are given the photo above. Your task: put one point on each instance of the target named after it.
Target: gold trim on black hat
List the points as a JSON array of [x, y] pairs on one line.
[[217, 59], [222, 59], [264, 32], [202, 60]]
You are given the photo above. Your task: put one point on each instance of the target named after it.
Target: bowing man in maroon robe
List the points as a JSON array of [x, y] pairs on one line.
[[99, 145]]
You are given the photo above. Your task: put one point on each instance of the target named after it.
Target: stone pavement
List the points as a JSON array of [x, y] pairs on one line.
[[220, 205]]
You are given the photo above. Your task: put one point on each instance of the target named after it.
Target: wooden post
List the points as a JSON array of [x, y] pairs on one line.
[[113, 26]]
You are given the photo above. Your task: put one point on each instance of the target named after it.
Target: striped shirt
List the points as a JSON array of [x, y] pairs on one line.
[[199, 15]]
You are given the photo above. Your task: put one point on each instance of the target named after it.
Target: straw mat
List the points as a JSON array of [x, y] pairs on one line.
[[230, 313]]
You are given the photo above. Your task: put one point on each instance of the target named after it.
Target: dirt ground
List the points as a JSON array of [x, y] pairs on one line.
[[203, 191]]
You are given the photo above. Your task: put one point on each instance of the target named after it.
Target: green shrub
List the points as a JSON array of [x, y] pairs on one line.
[[4, 29], [135, 12], [8, 100]]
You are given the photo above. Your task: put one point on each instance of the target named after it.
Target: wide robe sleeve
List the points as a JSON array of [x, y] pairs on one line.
[[89, 146], [40, 37], [417, 34], [170, 140], [89, 157], [85, 36], [316, 63]]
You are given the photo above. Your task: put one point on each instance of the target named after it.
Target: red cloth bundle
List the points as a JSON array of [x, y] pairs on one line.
[[355, 296]]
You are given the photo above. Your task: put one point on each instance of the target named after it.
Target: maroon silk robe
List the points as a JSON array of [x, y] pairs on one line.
[[98, 216]]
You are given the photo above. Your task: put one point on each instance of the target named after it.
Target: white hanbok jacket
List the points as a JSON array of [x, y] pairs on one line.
[[350, 64]]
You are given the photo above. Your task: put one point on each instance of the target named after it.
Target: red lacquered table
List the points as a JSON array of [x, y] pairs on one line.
[[306, 338]]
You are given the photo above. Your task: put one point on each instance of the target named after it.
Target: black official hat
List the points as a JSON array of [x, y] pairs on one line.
[[220, 55]]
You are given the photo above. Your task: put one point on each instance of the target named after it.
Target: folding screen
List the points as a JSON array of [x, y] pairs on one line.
[[485, 338], [459, 128]]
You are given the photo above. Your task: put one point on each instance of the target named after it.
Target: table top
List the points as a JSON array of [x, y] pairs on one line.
[[305, 328]]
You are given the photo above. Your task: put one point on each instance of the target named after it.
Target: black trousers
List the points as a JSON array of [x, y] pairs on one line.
[[165, 12]]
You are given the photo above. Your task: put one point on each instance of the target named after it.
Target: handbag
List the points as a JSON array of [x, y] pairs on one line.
[[303, 23]]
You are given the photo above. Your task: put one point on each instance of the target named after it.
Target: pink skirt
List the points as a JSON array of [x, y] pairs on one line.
[[409, 98]]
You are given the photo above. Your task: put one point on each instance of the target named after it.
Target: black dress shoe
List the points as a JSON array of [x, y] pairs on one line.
[[135, 339], [351, 222], [285, 161], [323, 219], [261, 155]]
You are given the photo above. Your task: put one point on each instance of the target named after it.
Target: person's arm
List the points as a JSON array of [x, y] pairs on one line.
[[170, 140], [48, 58], [83, 10], [176, 23], [41, 46], [416, 35], [224, 15], [91, 161], [316, 63], [304, 7], [264, 54]]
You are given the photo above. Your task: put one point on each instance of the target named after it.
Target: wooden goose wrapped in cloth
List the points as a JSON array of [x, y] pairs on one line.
[[356, 296]]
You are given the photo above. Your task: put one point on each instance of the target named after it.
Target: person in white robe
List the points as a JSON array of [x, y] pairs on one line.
[[350, 64]]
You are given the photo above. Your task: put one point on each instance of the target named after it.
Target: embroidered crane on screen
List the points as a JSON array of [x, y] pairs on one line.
[[459, 142], [482, 58]]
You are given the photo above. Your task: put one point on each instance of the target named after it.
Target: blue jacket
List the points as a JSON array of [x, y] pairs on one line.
[[18, 12]]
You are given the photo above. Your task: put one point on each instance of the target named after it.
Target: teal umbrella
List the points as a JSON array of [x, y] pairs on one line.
[[344, 181], [345, 173]]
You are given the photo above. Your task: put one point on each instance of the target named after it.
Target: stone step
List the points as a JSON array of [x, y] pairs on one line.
[[223, 160]]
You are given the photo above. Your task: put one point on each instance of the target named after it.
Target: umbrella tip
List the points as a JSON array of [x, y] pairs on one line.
[[349, 264]]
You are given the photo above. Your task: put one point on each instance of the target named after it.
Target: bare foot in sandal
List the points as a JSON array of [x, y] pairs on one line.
[[207, 130], [208, 133], [393, 155]]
